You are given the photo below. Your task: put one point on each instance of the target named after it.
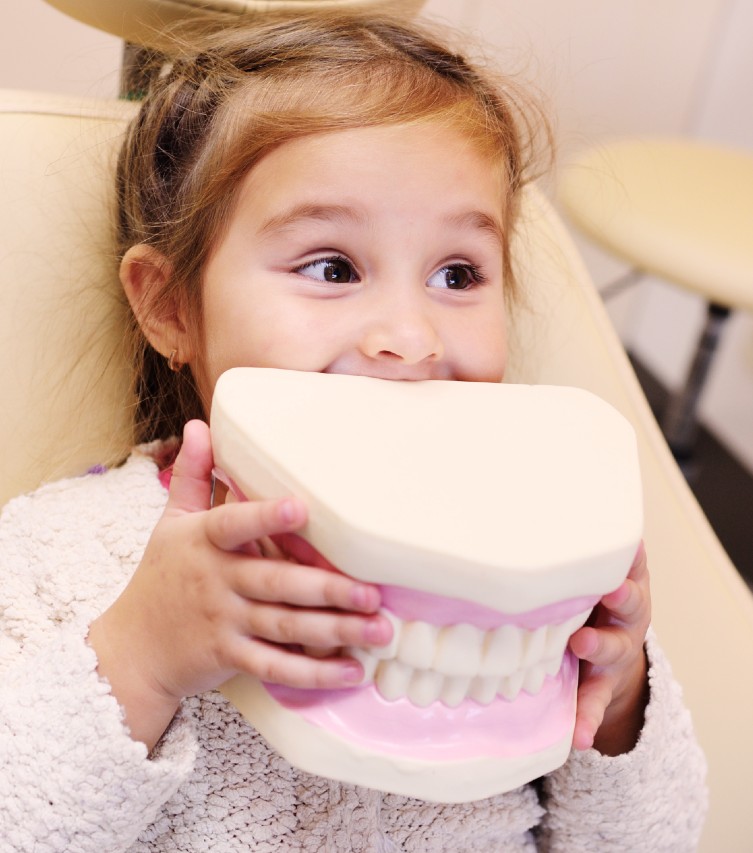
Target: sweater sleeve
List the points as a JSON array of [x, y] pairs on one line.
[[653, 797], [71, 777]]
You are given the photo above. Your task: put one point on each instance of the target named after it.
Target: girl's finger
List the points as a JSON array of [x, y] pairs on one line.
[[594, 695], [191, 482], [640, 564], [231, 526], [601, 646], [277, 665], [293, 626], [303, 586], [626, 602]]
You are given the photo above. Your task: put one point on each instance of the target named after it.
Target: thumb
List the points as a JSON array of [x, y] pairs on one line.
[[191, 484]]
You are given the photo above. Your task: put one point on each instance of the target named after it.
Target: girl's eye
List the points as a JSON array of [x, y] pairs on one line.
[[335, 270], [456, 277]]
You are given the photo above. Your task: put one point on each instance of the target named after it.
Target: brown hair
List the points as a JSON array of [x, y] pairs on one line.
[[212, 115]]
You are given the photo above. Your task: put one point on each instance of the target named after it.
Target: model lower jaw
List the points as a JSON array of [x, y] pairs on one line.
[[435, 751], [364, 719], [456, 691]]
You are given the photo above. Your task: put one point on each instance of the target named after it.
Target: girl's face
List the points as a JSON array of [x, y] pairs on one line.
[[374, 251]]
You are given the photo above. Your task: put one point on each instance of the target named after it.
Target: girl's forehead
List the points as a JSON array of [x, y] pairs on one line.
[[404, 154], [364, 177]]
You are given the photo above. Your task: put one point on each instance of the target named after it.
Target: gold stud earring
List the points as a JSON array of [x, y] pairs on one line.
[[173, 363]]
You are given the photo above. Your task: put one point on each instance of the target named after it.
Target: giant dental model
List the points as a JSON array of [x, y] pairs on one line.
[[493, 518]]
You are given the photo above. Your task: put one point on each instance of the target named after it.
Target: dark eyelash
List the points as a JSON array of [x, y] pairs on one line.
[[471, 268], [475, 272], [326, 259]]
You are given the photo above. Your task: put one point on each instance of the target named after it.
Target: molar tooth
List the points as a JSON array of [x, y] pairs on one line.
[[553, 666], [417, 643], [454, 690], [458, 650], [534, 643], [484, 689], [510, 687], [389, 651], [392, 679], [425, 687], [503, 648], [534, 679]]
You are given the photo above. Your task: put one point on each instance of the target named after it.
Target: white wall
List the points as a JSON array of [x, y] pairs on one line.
[[608, 66], [43, 50]]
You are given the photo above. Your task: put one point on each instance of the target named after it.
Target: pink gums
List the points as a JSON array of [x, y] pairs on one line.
[[412, 604], [501, 729]]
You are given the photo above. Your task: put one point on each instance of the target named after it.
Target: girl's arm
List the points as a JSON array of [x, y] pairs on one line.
[[204, 605], [651, 798], [636, 779], [70, 776]]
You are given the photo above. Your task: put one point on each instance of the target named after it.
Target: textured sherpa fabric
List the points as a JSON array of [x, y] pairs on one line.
[[73, 781]]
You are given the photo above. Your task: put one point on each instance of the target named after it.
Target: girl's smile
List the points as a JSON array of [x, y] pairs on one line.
[[374, 251]]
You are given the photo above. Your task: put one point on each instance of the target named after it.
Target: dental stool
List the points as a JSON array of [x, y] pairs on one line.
[[680, 210]]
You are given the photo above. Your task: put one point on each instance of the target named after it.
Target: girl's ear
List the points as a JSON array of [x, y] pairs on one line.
[[144, 274]]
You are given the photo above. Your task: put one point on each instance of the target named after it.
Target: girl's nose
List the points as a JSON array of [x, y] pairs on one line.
[[403, 331]]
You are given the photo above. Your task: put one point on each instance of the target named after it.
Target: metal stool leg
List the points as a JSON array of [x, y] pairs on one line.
[[679, 422]]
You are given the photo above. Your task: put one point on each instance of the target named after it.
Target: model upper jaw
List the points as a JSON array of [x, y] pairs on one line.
[[492, 517]]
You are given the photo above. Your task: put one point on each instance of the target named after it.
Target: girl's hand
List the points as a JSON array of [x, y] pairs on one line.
[[204, 604], [613, 689]]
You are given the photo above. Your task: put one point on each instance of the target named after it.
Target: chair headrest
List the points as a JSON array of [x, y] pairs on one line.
[[147, 22]]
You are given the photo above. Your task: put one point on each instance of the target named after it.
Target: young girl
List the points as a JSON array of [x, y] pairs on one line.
[[328, 193]]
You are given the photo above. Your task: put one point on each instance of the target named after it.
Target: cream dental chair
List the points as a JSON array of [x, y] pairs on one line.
[[66, 407]]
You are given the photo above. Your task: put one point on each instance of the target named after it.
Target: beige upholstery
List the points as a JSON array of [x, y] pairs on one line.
[[59, 299], [680, 209], [144, 22]]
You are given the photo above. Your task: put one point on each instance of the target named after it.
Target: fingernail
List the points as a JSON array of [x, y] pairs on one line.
[[374, 632], [352, 673], [288, 511], [364, 597]]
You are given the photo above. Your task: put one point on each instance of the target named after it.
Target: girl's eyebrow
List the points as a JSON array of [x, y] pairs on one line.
[[474, 220], [477, 220], [310, 211]]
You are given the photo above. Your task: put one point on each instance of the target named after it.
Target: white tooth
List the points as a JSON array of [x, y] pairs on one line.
[[455, 690], [510, 687], [534, 643], [392, 679], [503, 648], [367, 661], [534, 679], [458, 650], [553, 666], [576, 622], [556, 640], [425, 687], [417, 643], [389, 651], [484, 690], [558, 635]]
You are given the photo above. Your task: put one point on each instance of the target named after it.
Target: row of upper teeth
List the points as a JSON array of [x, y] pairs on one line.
[[428, 663]]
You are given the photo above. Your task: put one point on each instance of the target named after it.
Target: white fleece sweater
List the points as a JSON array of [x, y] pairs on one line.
[[72, 779]]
